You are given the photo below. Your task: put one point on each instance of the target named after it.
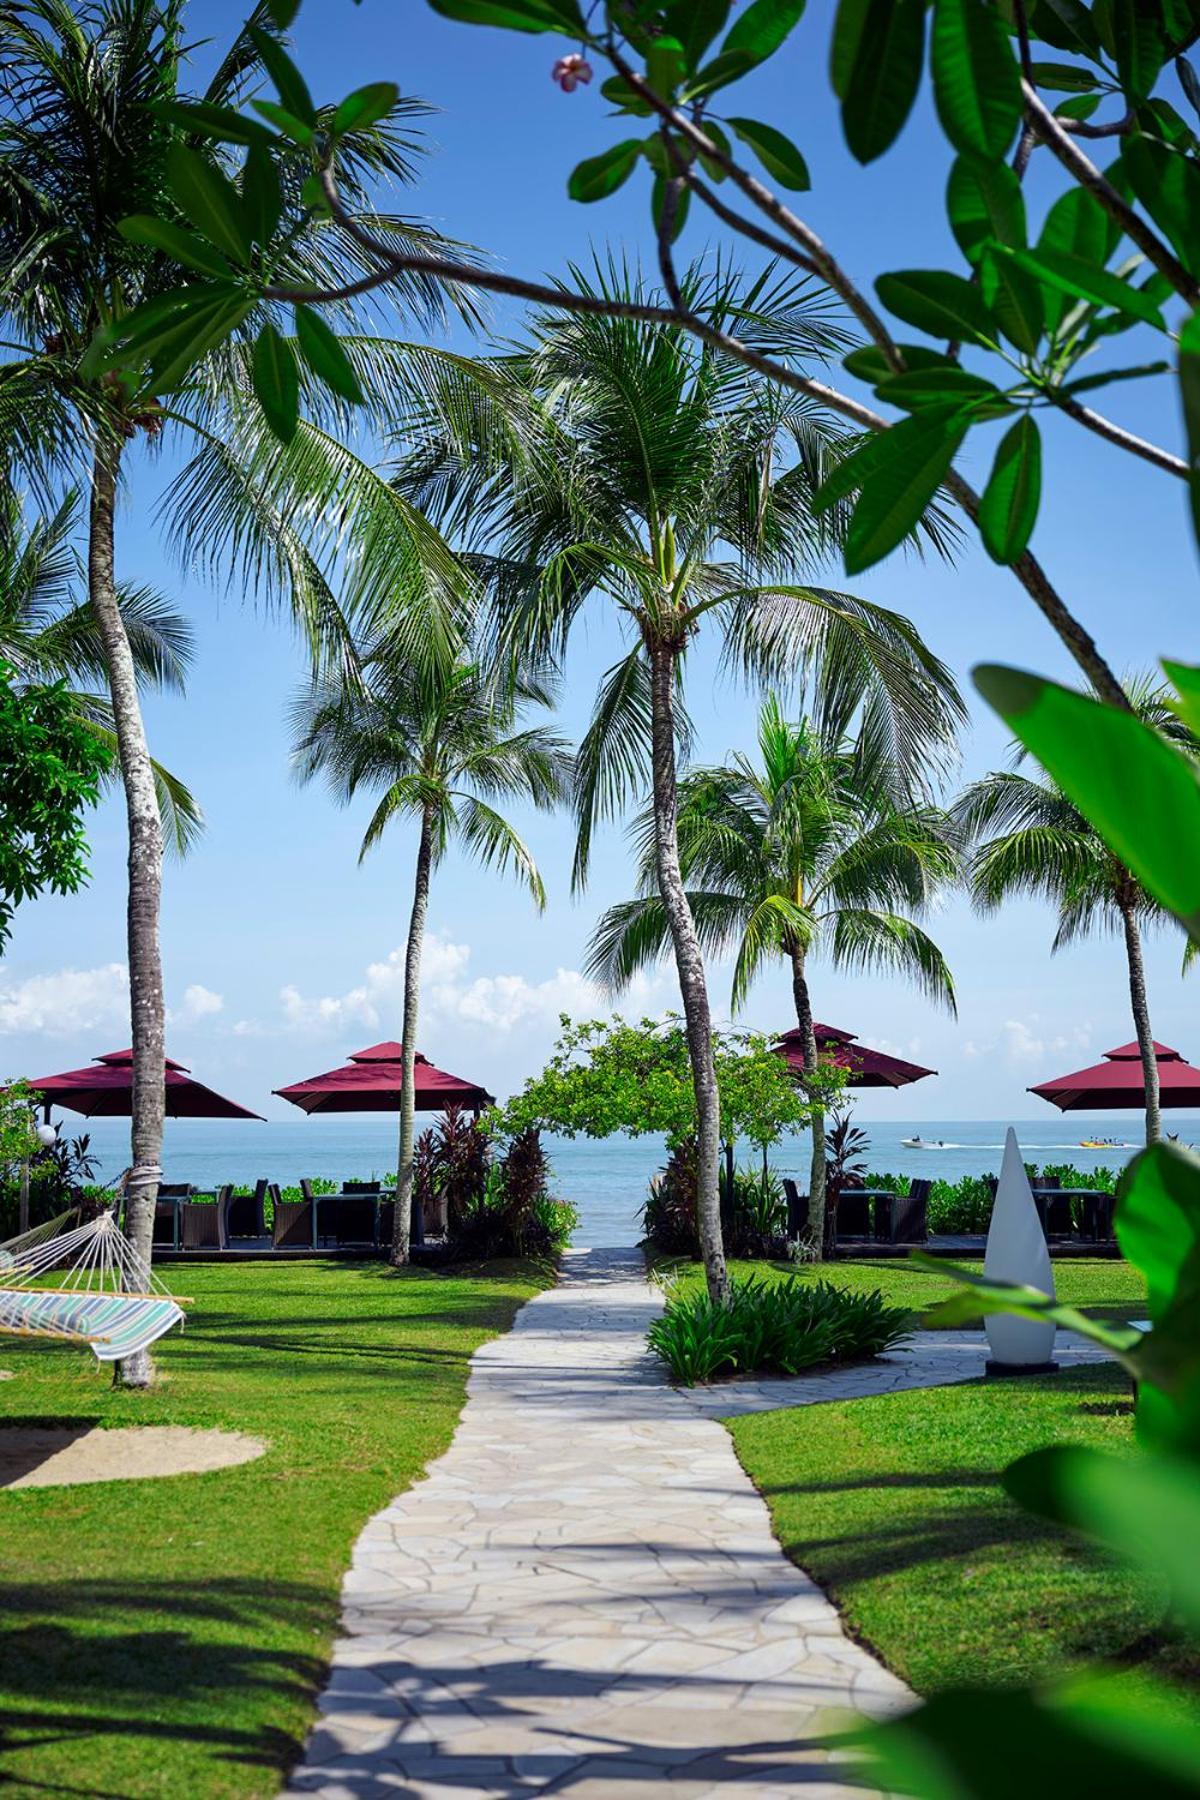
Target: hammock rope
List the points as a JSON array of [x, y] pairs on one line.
[[107, 1297]]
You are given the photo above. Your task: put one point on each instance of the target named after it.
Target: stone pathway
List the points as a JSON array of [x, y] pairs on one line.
[[583, 1596]]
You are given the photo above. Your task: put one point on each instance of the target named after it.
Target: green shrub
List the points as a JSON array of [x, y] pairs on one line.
[[965, 1205], [779, 1328]]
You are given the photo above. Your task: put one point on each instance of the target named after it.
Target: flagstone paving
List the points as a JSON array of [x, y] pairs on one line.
[[583, 1596]]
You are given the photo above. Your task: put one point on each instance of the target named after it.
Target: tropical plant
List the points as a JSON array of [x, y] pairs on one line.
[[51, 767], [441, 743], [93, 158], [1030, 838], [846, 1146], [779, 1327], [49, 632], [812, 850], [616, 461]]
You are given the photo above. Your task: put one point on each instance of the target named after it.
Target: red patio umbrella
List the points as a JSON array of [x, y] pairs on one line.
[[868, 1068], [105, 1090], [370, 1082], [1118, 1082]]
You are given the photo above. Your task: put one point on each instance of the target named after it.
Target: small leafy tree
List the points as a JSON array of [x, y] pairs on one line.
[[51, 770]]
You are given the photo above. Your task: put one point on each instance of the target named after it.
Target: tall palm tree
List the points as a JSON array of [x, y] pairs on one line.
[[86, 95], [809, 852], [443, 743], [49, 633], [622, 463], [1030, 839]]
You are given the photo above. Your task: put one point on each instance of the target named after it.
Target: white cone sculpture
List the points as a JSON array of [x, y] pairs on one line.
[[1016, 1251]]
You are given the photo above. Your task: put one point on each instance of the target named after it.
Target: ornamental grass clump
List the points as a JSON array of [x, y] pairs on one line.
[[778, 1328]]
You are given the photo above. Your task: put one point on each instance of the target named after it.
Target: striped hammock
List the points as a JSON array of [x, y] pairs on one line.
[[84, 1286]]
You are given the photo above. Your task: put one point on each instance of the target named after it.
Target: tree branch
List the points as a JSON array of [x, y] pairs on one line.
[[1116, 434], [1083, 170]]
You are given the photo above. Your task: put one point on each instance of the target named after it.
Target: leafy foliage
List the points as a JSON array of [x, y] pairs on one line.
[[51, 767], [775, 1328]]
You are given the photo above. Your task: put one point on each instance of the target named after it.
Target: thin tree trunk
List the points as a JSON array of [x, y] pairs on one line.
[[1141, 1015], [808, 1051], [145, 882], [690, 964], [402, 1228]]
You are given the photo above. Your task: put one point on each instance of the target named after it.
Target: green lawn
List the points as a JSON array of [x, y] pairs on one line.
[[1105, 1286], [168, 1637], [894, 1507]]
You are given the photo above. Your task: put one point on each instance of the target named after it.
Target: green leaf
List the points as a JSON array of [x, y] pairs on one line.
[[1138, 45], [1065, 25], [1076, 225], [210, 200], [976, 85], [325, 356], [184, 246], [979, 1296], [762, 28], [618, 93], [215, 317], [878, 51], [913, 459], [1168, 186], [944, 386], [1008, 508], [1189, 81], [599, 176], [1014, 300], [658, 195], [262, 199], [290, 84], [712, 169], [1189, 389], [287, 122], [777, 154], [513, 15], [364, 107], [1106, 376], [1063, 78], [697, 23], [1079, 106], [869, 363], [205, 120], [283, 12], [935, 301], [276, 382], [1073, 275], [984, 201], [666, 66], [1141, 794], [729, 66]]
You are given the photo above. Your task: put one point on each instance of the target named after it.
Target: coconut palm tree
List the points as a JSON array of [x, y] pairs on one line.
[[809, 852], [621, 463], [88, 94], [49, 633], [442, 743], [1030, 839]]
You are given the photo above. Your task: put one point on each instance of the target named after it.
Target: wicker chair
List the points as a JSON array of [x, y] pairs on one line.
[[797, 1208], [909, 1214], [292, 1225], [854, 1214], [202, 1224], [245, 1216]]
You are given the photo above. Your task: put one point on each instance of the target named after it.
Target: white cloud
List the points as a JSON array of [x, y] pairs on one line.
[[499, 1003], [66, 1001], [200, 1002]]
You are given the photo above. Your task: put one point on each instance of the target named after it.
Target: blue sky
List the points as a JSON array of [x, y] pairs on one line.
[[282, 954]]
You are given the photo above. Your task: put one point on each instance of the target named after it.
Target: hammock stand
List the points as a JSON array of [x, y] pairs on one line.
[[108, 1298]]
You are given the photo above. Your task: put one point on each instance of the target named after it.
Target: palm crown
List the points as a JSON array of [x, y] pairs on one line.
[[803, 853]]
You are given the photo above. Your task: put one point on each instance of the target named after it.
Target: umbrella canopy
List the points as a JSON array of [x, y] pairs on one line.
[[104, 1090], [370, 1082], [868, 1068], [1117, 1082]]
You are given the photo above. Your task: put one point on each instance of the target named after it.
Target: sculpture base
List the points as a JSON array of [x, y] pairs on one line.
[[1009, 1369]]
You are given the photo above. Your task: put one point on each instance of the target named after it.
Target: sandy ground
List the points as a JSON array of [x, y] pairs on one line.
[[58, 1456]]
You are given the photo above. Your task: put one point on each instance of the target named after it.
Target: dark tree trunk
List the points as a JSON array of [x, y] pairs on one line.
[[145, 881], [690, 964], [1141, 1012], [402, 1229], [817, 1203]]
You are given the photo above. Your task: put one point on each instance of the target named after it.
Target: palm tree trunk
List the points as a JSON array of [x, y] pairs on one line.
[[1141, 1013], [145, 881], [402, 1229], [690, 964], [808, 1051]]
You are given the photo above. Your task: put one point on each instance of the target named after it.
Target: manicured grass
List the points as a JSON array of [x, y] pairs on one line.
[[893, 1505], [168, 1637], [1105, 1286]]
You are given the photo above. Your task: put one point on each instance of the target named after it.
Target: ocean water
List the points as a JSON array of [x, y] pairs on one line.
[[606, 1178]]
